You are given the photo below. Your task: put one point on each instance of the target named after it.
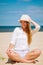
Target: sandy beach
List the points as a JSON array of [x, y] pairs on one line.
[[5, 38]]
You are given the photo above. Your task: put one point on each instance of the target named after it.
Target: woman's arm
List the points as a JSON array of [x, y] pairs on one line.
[[10, 47], [37, 27]]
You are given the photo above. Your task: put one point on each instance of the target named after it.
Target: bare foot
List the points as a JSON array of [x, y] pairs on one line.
[[31, 61]]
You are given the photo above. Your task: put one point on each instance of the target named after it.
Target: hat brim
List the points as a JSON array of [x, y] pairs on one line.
[[24, 20]]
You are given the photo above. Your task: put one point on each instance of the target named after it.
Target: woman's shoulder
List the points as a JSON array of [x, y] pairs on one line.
[[16, 29]]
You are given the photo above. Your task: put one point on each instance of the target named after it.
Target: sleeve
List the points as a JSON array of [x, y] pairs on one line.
[[14, 36]]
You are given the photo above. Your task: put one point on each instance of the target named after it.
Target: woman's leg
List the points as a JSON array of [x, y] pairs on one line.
[[15, 57], [33, 54]]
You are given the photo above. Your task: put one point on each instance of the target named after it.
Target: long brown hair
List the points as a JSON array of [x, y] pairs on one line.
[[29, 34]]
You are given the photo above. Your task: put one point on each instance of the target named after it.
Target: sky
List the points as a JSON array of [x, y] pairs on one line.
[[12, 10]]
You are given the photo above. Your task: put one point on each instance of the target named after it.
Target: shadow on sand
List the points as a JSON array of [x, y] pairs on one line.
[[11, 62]]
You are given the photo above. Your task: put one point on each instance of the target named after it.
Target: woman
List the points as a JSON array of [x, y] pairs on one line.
[[19, 48]]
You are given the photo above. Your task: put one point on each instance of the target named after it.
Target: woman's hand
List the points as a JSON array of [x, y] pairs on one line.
[[10, 48]]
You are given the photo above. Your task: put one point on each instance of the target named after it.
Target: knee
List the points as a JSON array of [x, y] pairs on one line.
[[38, 51]]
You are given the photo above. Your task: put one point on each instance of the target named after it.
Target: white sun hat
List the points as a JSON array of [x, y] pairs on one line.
[[25, 18]]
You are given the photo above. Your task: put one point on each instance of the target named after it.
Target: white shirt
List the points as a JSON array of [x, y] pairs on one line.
[[19, 39]]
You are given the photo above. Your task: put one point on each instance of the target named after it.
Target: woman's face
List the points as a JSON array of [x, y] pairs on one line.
[[23, 24]]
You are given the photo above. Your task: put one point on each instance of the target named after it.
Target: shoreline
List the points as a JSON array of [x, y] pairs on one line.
[[11, 28]]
